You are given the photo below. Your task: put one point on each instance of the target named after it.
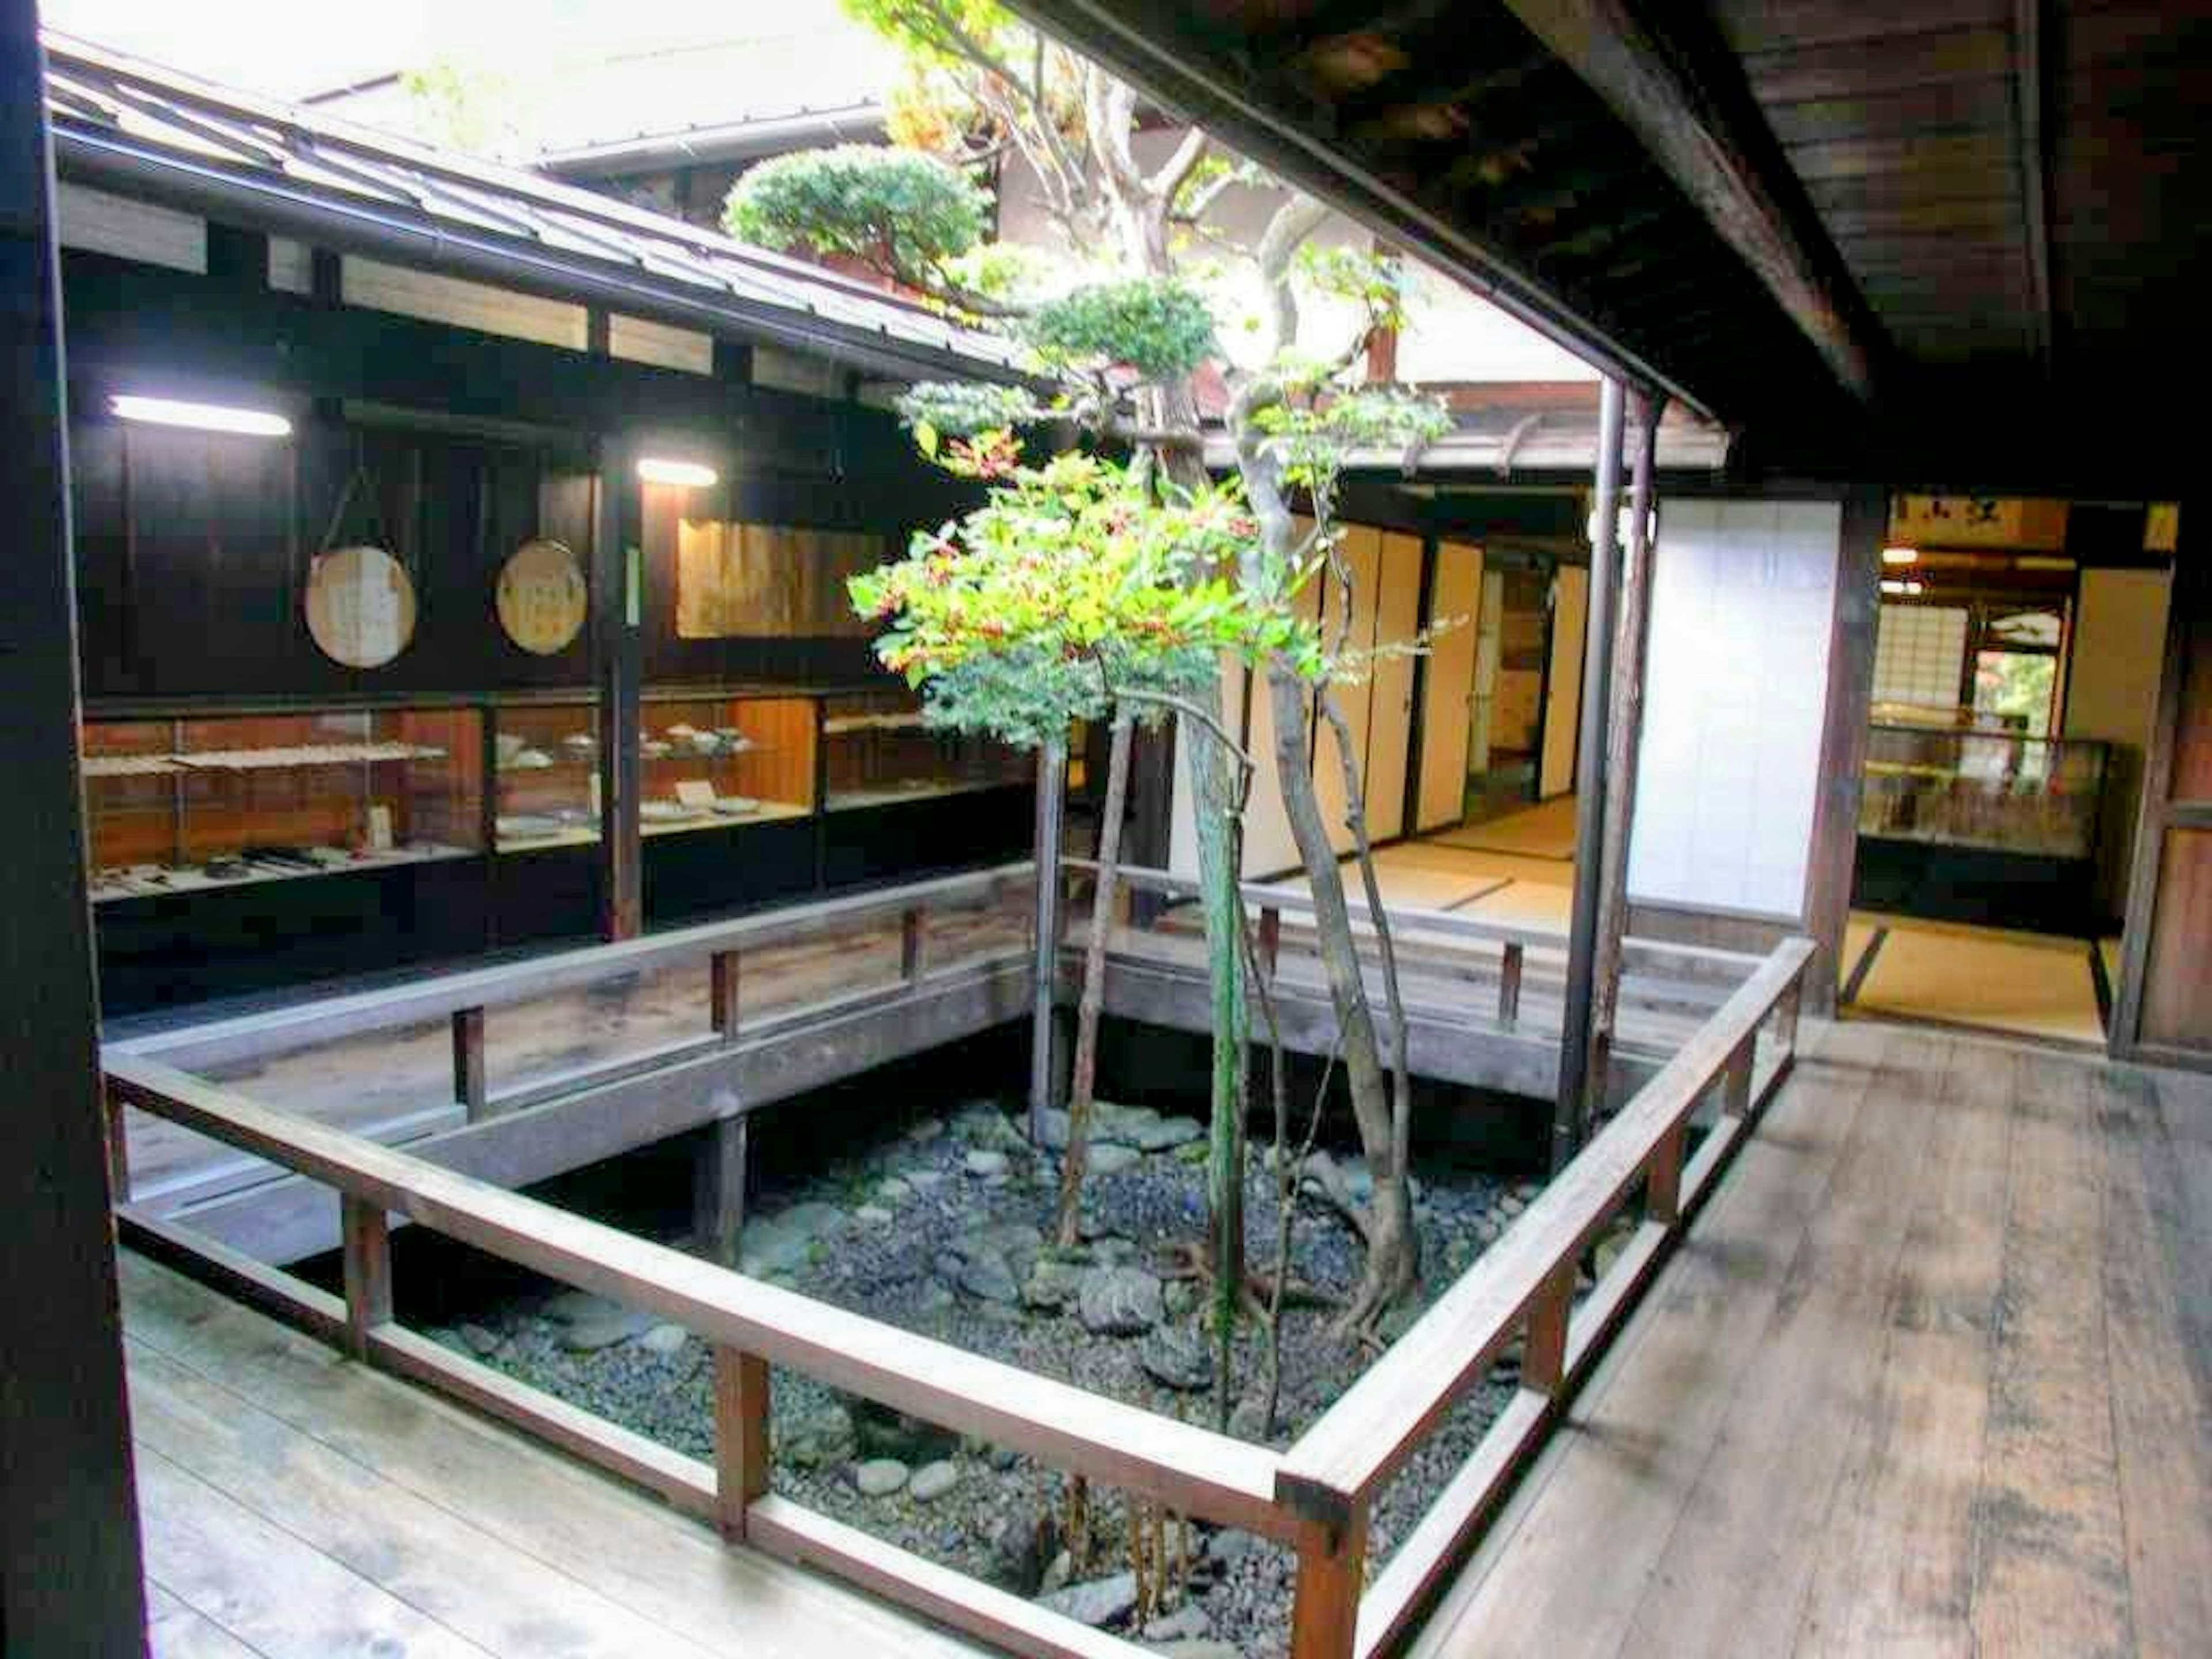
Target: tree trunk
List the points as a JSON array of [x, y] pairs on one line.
[[1393, 1245], [1085, 1081]]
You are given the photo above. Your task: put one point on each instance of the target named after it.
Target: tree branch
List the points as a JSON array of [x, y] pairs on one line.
[[1169, 181]]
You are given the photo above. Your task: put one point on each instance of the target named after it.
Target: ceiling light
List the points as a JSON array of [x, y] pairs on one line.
[[205, 417], [1904, 589], [1900, 555], [655, 469]]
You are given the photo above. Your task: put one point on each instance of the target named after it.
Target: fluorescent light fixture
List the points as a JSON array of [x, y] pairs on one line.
[[206, 418], [1900, 555], [1626, 522], [657, 469], [1904, 589]]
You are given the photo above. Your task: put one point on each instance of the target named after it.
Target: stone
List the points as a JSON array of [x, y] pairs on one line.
[[925, 1181], [1229, 1545], [1007, 1237], [934, 1298], [1248, 1420], [874, 1215], [1179, 1357], [1199, 1648], [1120, 1302], [1180, 1296], [984, 1163], [985, 1125], [1111, 1158], [881, 1433], [617, 1325], [1110, 1121], [1512, 1204], [1057, 1575], [1178, 1626], [932, 1480], [1099, 1602], [988, 1278], [664, 1339], [1053, 1129], [480, 1341], [784, 1242], [1165, 1134], [1024, 1549], [925, 1130], [949, 1263], [1054, 1284], [879, 1477], [821, 1436], [1110, 1249], [891, 1189], [1193, 1152]]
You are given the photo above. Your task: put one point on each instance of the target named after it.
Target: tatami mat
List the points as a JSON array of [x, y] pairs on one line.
[[1545, 832], [1418, 887], [2031, 984]]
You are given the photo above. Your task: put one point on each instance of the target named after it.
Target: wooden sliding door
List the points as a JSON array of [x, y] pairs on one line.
[[1354, 622], [1390, 729], [1448, 692]]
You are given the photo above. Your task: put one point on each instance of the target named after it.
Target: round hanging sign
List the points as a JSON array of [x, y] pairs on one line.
[[541, 597], [360, 606]]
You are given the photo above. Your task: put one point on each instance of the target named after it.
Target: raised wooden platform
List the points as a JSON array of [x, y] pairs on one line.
[[1931, 1374], [295, 1503]]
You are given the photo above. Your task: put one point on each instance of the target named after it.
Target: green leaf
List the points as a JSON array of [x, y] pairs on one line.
[[924, 438]]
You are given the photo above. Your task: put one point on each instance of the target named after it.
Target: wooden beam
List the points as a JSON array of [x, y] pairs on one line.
[[1685, 98], [2034, 170], [617, 669], [71, 1577], [367, 1237], [718, 1186]]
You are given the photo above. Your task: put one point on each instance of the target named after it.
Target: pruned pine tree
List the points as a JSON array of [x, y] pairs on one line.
[[1128, 321]]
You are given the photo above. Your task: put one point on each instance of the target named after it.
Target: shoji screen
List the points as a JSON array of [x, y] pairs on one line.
[[1390, 729], [1454, 598], [1563, 689], [1742, 606], [1362, 551]]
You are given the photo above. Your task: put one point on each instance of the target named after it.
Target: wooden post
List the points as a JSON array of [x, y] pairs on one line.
[[723, 994], [717, 1186], [1271, 940], [1509, 982], [1787, 1011], [1332, 1573], [1544, 1360], [741, 1443], [470, 1086], [911, 938], [1736, 1082], [617, 601], [367, 1240], [119, 1152], [1569, 1117], [1051, 803], [72, 1579], [1623, 732], [1663, 1182]]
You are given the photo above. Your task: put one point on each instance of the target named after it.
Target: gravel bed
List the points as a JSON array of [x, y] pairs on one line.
[[942, 1229]]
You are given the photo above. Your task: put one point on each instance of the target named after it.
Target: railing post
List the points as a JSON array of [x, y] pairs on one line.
[[910, 945], [741, 1447], [1662, 1183], [470, 1087], [719, 1184], [367, 1241], [1544, 1359], [1332, 1573], [118, 1150], [1736, 1084], [1271, 940], [1786, 1011], [723, 994], [1509, 983]]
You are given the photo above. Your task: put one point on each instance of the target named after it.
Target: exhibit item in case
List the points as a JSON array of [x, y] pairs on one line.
[[541, 597], [1989, 791], [188, 803], [713, 759], [545, 774], [360, 606], [882, 750]]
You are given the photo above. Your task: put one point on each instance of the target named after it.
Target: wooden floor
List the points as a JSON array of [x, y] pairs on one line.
[[1932, 1375], [296, 1505]]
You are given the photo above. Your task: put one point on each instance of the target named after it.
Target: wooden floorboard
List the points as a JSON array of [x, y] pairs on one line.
[[1932, 1374], [374, 1484]]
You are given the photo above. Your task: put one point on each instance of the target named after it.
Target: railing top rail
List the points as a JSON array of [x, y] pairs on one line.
[[1188, 1468], [329, 1019], [1343, 1456]]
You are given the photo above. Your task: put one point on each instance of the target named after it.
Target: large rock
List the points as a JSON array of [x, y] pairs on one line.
[[984, 1162], [1178, 1356], [820, 1436], [1121, 1125], [988, 1278], [1120, 1302], [664, 1339], [1100, 1601], [589, 1322], [879, 1477], [1052, 1130], [932, 1480], [1165, 1133], [1054, 1284], [1111, 1157], [784, 1242]]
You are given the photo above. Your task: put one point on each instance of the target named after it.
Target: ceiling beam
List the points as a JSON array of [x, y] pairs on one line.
[[2034, 182], [1685, 100]]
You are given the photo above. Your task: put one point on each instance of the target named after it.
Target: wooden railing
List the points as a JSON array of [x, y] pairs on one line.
[[1315, 1499]]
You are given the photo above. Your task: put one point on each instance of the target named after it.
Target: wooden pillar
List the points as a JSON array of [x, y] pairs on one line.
[[1332, 1573], [718, 1190], [366, 1235], [1623, 732], [1569, 1121], [1511, 963], [1051, 803], [741, 1437], [1544, 1356], [618, 655], [71, 1578], [723, 993], [470, 1086]]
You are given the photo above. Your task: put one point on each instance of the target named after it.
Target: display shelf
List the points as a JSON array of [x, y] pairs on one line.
[[859, 800], [249, 868], [545, 762], [1988, 791], [700, 750], [882, 752]]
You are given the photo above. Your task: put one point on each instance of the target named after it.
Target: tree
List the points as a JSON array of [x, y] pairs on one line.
[[1127, 324]]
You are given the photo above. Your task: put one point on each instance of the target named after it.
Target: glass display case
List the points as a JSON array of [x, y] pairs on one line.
[[724, 759], [183, 804], [879, 753], [1993, 792], [545, 771]]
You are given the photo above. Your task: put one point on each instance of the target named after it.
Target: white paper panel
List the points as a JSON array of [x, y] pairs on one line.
[[1563, 699], [1448, 690], [1390, 730], [1742, 604], [1362, 553]]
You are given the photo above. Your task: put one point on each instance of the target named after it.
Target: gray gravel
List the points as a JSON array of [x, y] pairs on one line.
[[965, 1257]]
